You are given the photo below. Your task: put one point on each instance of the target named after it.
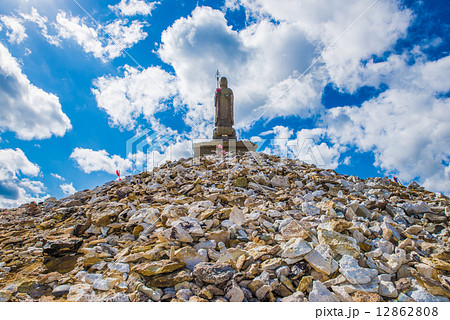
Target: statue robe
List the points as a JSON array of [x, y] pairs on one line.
[[224, 101]]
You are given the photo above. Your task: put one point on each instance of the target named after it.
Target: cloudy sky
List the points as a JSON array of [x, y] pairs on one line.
[[359, 86]]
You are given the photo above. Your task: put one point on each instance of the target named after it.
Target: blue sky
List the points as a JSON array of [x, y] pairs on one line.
[[358, 86]]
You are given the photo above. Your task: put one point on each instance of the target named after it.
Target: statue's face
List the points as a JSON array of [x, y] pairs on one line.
[[223, 82]]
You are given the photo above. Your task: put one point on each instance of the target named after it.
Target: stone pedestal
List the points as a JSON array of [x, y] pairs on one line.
[[229, 145], [224, 133]]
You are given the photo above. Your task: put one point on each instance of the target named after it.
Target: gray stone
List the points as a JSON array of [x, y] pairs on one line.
[[416, 208], [184, 294], [320, 293], [121, 267], [424, 296], [310, 209], [295, 297], [101, 285], [234, 293], [350, 269], [296, 248], [387, 289], [213, 273], [279, 182], [61, 290]]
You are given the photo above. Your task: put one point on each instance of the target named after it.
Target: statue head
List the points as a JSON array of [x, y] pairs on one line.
[[223, 82]]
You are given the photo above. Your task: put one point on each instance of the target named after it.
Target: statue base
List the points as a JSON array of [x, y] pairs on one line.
[[224, 133], [228, 145]]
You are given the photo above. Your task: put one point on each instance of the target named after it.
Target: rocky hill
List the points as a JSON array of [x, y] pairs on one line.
[[252, 228]]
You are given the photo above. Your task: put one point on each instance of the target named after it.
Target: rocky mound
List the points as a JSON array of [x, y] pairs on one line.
[[252, 228]]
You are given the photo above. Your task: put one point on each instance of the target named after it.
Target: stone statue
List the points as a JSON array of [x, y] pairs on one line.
[[224, 136], [224, 102]]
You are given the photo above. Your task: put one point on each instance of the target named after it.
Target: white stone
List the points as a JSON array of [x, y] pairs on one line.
[[424, 296], [92, 277], [396, 260], [319, 262], [310, 209], [237, 216], [253, 216], [184, 294], [320, 293], [416, 208], [101, 285], [190, 225], [81, 293], [279, 181], [295, 248], [147, 215], [385, 246], [209, 244], [263, 291], [350, 269], [235, 293], [118, 266], [341, 294], [387, 289]]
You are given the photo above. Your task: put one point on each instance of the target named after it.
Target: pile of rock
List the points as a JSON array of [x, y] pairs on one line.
[[247, 228]]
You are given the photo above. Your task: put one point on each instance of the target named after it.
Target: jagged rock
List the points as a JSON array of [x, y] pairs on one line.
[[81, 293], [33, 288], [416, 208], [234, 293], [236, 216], [339, 243], [176, 233], [362, 296], [321, 261], [5, 295], [296, 248], [170, 279], [349, 268], [213, 273], [387, 289], [158, 267], [63, 247], [294, 230], [280, 182], [310, 209], [190, 257], [320, 293], [196, 232], [295, 297]]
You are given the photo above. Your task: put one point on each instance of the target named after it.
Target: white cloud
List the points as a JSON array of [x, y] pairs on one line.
[[232, 5], [256, 71], [325, 21], [134, 94], [89, 161], [41, 22], [104, 43], [36, 187], [16, 33], [134, 7], [27, 110], [68, 188], [173, 150], [14, 162], [263, 62], [15, 189], [265, 59], [57, 176], [311, 148], [307, 145], [407, 126]]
